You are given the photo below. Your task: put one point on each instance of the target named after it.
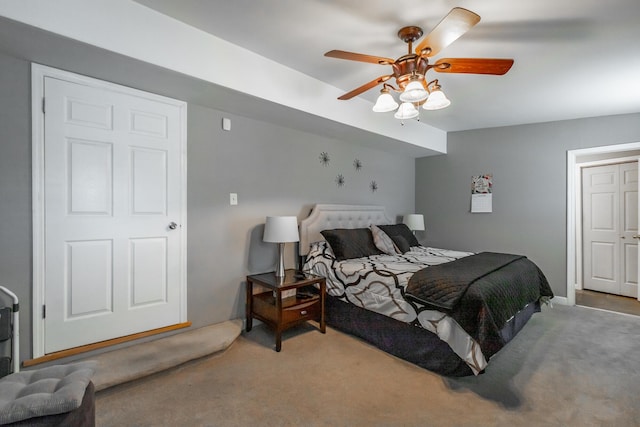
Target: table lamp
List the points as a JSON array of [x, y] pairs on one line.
[[281, 229], [415, 222]]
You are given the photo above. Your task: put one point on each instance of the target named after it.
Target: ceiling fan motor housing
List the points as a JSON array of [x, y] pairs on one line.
[[408, 66]]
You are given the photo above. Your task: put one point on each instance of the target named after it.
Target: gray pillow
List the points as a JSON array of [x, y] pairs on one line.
[[403, 245], [401, 236], [383, 241], [46, 391]]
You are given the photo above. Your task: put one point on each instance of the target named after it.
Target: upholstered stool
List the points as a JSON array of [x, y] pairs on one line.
[[61, 395]]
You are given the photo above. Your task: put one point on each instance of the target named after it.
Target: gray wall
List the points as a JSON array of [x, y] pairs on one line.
[[15, 192], [275, 171], [528, 164]]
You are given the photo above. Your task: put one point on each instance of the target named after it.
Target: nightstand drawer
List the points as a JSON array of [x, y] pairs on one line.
[[306, 311]]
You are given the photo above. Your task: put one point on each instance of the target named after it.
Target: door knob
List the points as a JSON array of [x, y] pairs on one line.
[[635, 236], [173, 225]]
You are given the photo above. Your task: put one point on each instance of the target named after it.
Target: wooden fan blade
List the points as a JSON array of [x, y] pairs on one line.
[[365, 87], [341, 54], [473, 65], [452, 26]]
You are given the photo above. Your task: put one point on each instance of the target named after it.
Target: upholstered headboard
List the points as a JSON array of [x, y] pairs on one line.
[[325, 217]]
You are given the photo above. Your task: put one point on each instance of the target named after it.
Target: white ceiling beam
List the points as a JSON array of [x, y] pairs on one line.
[[130, 29]]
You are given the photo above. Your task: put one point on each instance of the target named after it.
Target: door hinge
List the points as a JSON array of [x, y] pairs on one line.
[[44, 311], [43, 106]]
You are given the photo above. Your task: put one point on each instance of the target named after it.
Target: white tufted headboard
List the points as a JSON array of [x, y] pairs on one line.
[[326, 217]]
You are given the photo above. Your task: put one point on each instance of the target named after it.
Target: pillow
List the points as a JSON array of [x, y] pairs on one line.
[[383, 241], [403, 245], [47, 391], [400, 230], [348, 243]]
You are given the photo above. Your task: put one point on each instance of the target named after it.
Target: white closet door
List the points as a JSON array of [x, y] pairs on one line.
[[629, 229], [112, 191], [610, 222]]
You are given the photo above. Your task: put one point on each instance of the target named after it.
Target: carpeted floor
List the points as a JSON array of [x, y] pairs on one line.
[[570, 366]]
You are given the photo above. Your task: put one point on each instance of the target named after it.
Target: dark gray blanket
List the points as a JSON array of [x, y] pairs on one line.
[[481, 292], [443, 285]]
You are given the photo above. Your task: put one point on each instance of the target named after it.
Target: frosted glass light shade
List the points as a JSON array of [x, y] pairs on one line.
[[415, 222], [414, 92], [385, 103], [406, 111], [280, 229], [436, 101]]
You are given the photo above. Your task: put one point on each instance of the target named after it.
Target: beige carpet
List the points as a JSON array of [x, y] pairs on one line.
[[141, 360], [570, 366]]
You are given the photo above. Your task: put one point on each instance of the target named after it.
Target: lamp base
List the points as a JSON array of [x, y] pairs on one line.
[[280, 265]]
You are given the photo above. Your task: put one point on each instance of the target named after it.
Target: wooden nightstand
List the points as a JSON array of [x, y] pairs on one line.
[[282, 313]]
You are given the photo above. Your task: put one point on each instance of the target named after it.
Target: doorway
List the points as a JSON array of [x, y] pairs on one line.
[[576, 160], [610, 228]]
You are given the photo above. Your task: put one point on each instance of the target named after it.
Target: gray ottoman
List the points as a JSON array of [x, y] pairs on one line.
[[61, 395]]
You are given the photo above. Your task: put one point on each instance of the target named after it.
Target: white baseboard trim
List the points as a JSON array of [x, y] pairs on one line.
[[560, 300]]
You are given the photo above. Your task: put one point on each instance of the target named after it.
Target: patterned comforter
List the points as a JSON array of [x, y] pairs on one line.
[[378, 282]]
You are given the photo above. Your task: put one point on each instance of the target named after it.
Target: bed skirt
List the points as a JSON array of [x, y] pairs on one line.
[[408, 342]]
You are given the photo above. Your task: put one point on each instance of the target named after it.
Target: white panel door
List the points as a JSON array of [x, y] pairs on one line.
[[610, 222], [112, 191], [629, 229]]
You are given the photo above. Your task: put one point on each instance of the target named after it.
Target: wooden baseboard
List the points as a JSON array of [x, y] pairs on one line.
[[102, 344]]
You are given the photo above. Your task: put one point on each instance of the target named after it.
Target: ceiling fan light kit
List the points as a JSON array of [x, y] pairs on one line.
[[385, 102], [437, 100], [410, 70], [414, 91], [406, 111]]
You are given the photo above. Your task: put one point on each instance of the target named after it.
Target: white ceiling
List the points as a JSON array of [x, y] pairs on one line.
[[573, 58]]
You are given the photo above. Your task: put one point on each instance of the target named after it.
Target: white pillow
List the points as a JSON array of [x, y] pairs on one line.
[[383, 241]]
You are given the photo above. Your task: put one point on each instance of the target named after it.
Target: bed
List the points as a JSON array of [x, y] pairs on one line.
[[384, 287]]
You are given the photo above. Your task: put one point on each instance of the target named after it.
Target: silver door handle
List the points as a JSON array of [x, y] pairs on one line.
[[173, 225], [635, 236]]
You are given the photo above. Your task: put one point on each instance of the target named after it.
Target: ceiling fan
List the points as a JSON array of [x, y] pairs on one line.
[[410, 70]]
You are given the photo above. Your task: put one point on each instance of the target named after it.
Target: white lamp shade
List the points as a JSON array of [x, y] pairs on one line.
[[414, 92], [385, 103], [406, 111], [414, 222], [436, 101], [280, 229]]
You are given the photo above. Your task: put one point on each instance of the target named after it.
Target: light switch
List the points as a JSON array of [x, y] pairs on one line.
[[226, 123], [233, 198]]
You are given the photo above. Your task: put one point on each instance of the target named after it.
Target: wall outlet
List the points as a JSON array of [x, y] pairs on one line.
[[233, 199]]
